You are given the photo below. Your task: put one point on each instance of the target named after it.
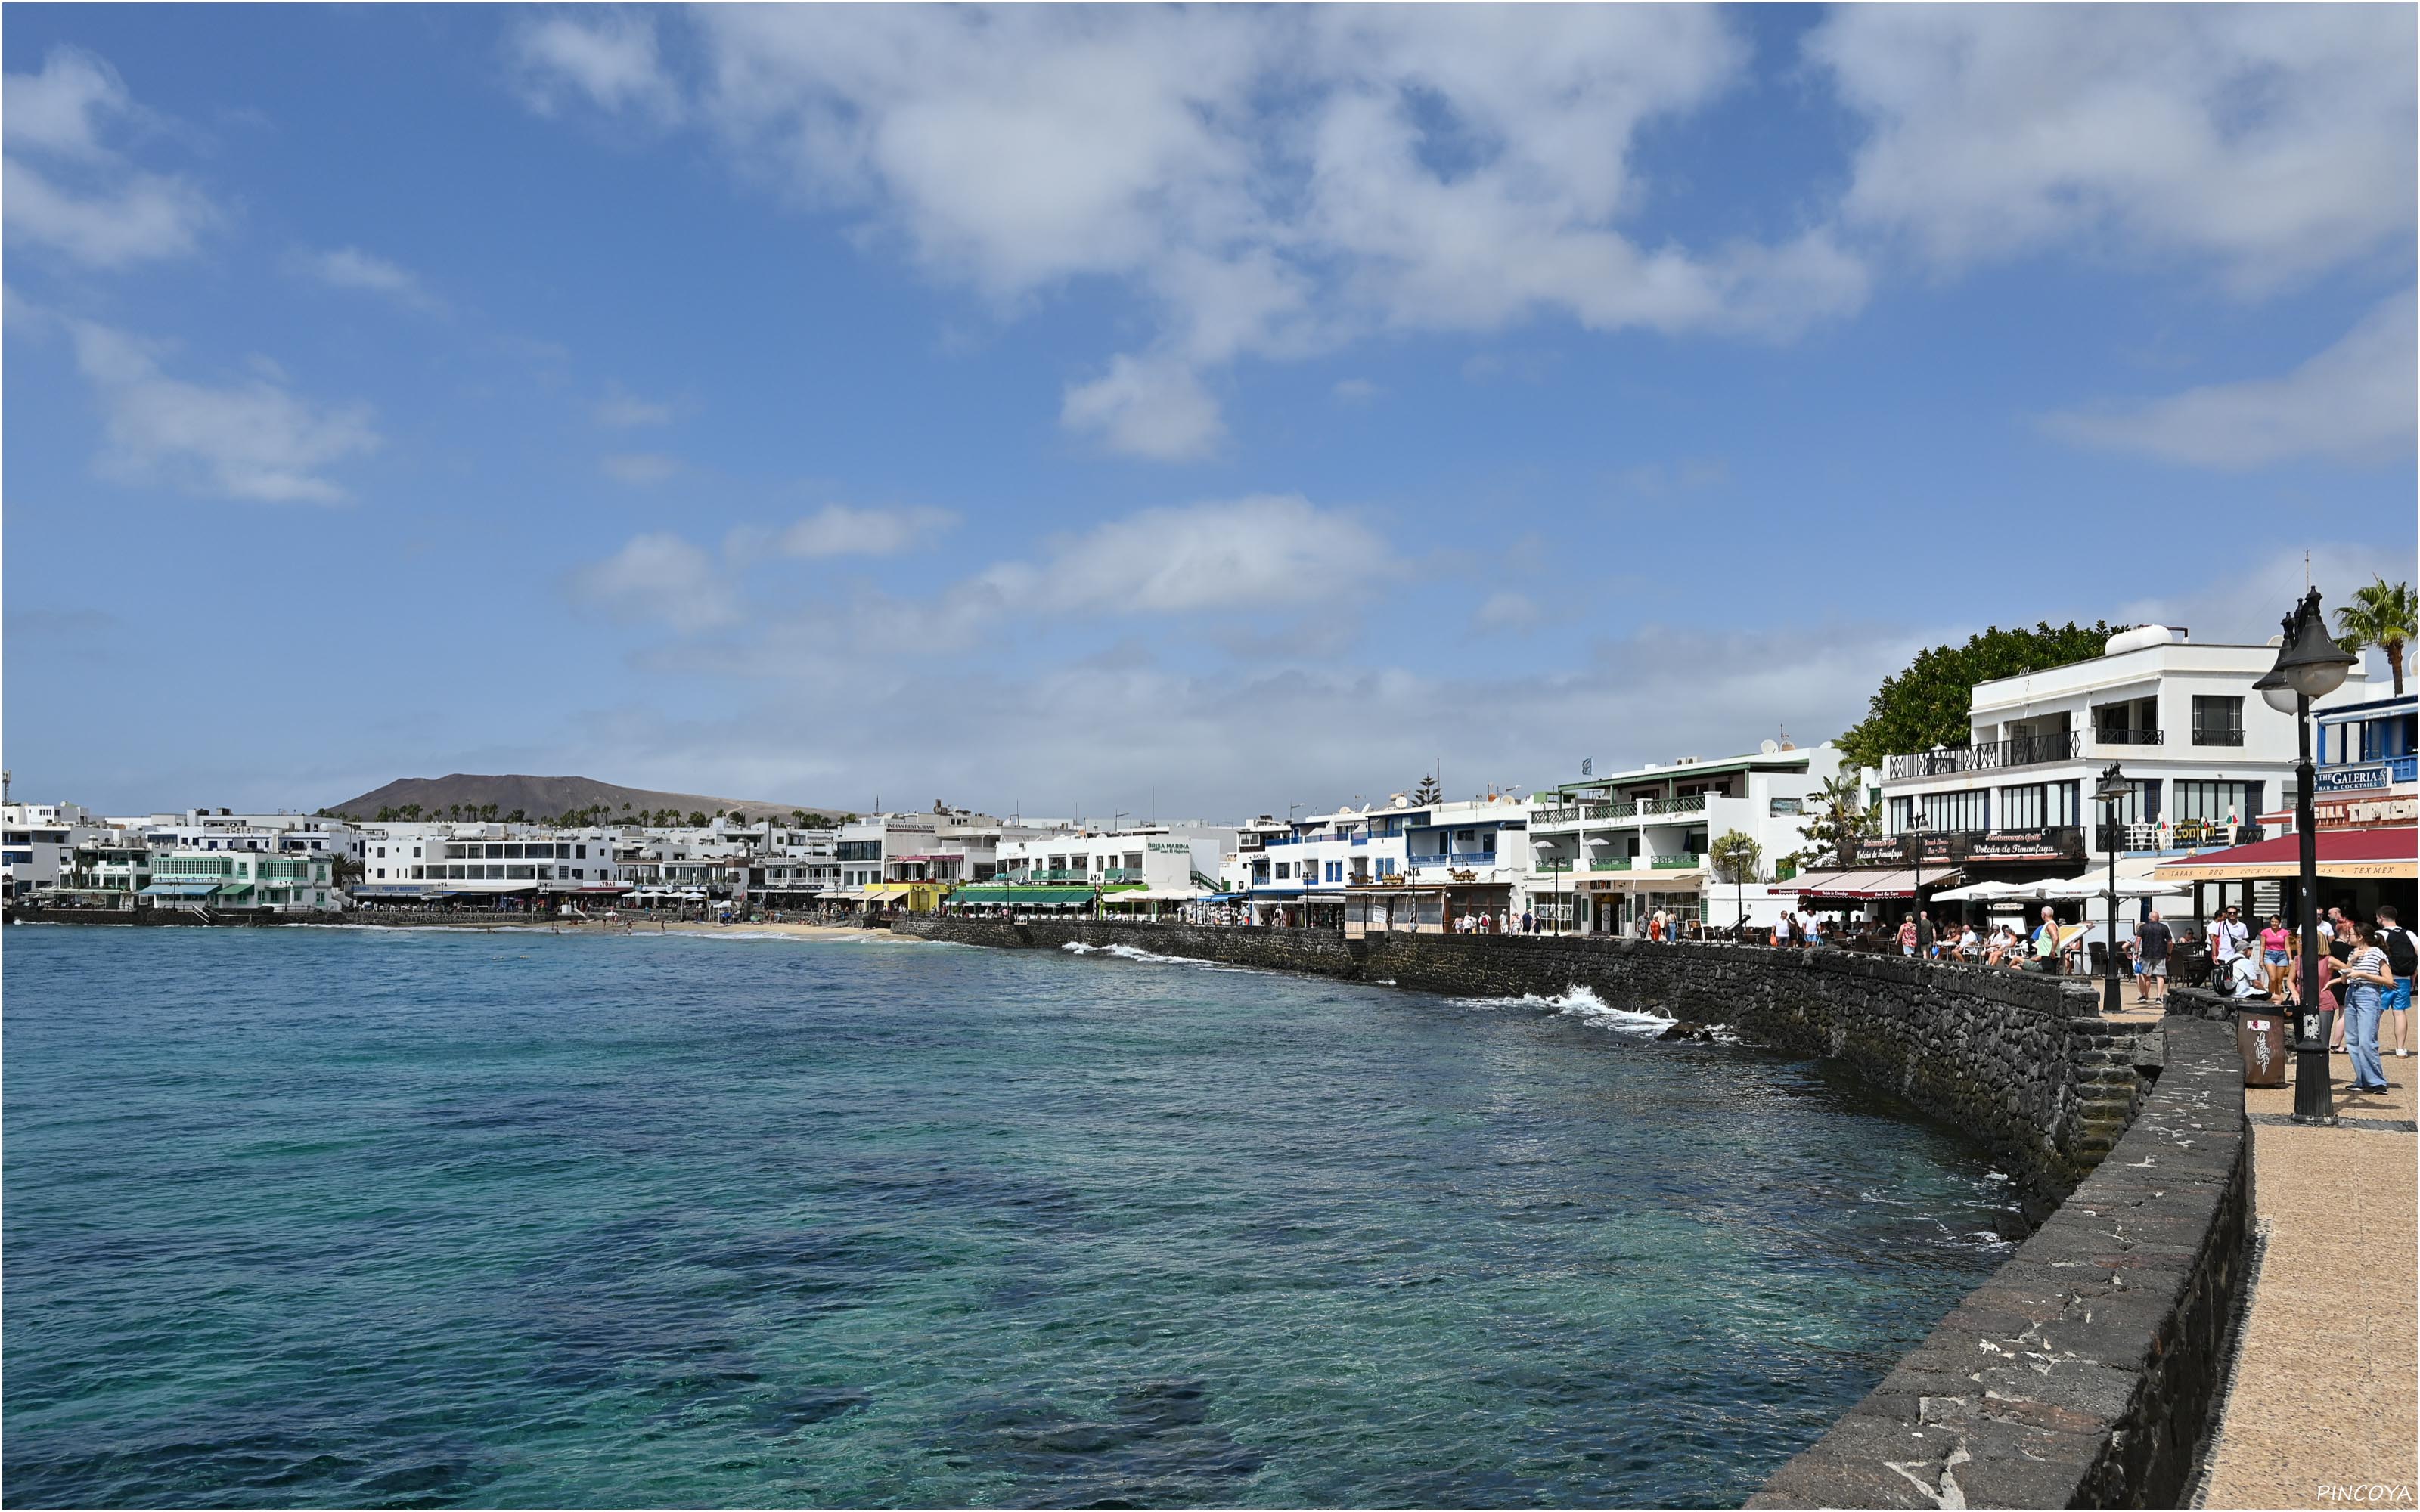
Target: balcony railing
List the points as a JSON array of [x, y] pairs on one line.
[[1641, 809], [2217, 737], [1674, 863], [1992, 756], [1123, 873], [1467, 861], [2128, 737]]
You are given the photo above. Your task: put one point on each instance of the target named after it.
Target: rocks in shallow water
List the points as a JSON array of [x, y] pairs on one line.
[[1685, 1029]]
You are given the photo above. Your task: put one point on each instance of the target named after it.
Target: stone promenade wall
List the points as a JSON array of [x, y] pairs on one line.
[[2023, 1060], [2086, 1370]]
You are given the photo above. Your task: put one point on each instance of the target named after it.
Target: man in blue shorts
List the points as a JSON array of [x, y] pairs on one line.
[[2396, 1017]]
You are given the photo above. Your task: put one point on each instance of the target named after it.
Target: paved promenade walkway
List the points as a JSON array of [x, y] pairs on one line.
[[2322, 1412]]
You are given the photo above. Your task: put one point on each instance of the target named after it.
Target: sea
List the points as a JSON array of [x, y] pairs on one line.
[[340, 1216]]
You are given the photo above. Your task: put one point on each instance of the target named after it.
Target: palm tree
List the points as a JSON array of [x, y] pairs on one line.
[[2379, 615]]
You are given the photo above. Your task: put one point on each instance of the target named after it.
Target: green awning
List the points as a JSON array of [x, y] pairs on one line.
[[1022, 895], [180, 889], [233, 889]]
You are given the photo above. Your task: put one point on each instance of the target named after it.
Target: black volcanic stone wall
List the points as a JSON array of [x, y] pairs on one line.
[[2085, 1371]]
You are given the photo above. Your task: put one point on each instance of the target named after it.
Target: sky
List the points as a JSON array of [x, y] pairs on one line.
[[1194, 411]]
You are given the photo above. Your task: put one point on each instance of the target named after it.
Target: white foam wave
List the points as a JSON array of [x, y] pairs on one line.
[[1584, 1004], [1130, 952]]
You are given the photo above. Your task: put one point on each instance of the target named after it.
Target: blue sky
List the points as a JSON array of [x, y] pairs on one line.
[[1036, 409]]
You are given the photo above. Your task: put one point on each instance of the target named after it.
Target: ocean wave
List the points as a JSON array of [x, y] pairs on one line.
[[1584, 1004], [1130, 952]]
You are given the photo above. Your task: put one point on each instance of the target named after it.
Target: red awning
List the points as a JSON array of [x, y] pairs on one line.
[[2344, 854]]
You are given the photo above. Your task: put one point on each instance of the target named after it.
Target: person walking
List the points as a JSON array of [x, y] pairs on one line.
[[2047, 941], [2395, 941], [2223, 943], [1907, 936], [2365, 980], [2151, 942], [2272, 953]]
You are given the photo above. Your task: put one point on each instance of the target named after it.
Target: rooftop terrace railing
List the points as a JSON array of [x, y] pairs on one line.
[[1990, 756]]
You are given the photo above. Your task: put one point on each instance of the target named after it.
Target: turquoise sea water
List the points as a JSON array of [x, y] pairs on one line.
[[346, 1217]]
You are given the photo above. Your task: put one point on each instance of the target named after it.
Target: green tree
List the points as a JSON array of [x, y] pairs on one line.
[[797, 819], [1841, 817], [1428, 790], [2379, 615], [697, 819], [1736, 856], [1927, 705], [343, 870], [515, 817]]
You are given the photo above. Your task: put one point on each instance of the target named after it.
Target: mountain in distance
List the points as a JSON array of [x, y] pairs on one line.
[[548, 797]]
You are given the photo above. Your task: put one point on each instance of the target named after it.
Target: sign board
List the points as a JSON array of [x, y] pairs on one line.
[[2368, 776], [2055, 843], [2364, 814], [1173, 847], [1784, 807]]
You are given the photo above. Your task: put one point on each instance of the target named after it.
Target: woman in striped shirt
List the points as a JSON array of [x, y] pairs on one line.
[[2363, 981]]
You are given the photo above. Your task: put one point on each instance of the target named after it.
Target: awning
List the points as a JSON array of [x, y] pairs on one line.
[[1012, 894], [893, 890], [1870, 882], [2345, 855], [387, 890], [180, 889], [845, 895], [1150, 895]]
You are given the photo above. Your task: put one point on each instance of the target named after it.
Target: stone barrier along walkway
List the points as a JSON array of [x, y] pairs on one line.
[[2321, 1412], [2085, 1371]]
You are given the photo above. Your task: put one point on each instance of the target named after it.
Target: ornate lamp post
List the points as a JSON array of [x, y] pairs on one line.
[[2112, 791], [2310, 666], [1915, 900]]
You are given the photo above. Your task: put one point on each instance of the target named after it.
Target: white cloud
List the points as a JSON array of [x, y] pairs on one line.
[[89, 203], [2273, 141], [837, 531], [1507, 611], [1270, 183], [610, 60], [253, 439], [349, 267], [619, 411], [1152, 407], [2352, 403], [60, 108], [639, 468], [1355, 391], [1258, 552], [660, 579]]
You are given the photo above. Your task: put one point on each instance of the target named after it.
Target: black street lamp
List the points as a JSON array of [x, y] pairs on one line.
[[2113, 790], [1923, 924], [2310, 666]]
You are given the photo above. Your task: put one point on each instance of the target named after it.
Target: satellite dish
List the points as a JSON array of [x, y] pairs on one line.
[[1770, 747]]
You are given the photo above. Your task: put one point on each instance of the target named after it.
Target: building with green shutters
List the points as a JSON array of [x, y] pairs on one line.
[[240, 879]]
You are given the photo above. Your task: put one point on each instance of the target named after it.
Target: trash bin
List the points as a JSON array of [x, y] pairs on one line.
[[2261, 1035]]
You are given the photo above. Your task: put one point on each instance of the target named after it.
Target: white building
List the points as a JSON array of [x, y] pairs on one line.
[[1303, 871], [2203, 755], [38, 843], [1138, 866], [1610, 851], [278, 881]]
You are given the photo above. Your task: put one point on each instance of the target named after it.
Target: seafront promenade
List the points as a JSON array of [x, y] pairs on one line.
[[2322, 1407]]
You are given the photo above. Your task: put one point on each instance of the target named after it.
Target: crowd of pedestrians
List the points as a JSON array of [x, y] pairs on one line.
[[2365, 971]]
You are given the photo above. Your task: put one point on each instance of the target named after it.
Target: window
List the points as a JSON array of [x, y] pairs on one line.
[[2217, 721], [2141, 805], [1335, 871], [2039, 806], [2217, 803], [1286, 869], [1386, 866], [1968, 808]]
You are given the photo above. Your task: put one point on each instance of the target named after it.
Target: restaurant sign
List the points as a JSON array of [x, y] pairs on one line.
[[2364, 814], [2366, 777], [2056, 842]]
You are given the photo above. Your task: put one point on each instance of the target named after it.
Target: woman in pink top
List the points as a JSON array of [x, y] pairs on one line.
[[2273, 951]]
